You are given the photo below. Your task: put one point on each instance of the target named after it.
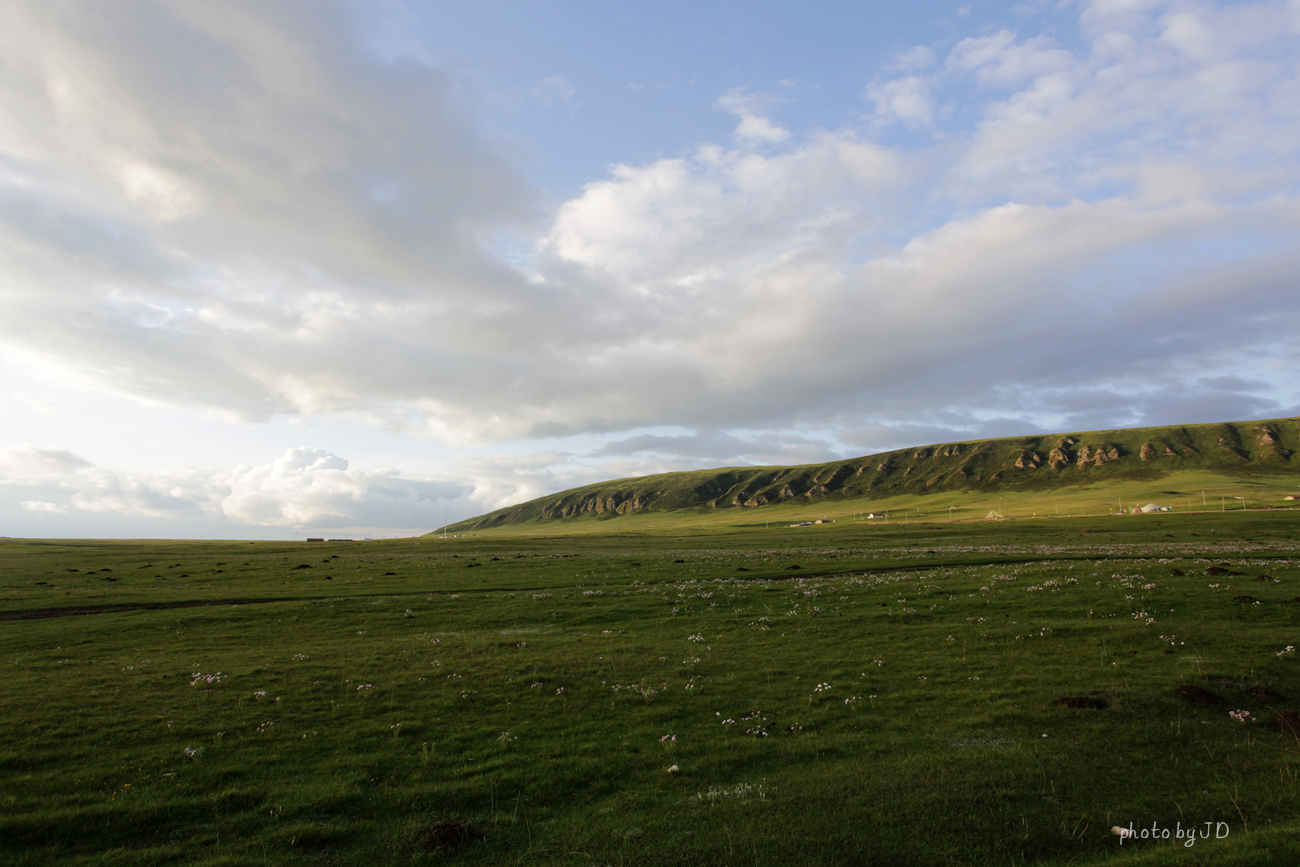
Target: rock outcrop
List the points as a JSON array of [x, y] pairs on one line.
[[1028, 460]]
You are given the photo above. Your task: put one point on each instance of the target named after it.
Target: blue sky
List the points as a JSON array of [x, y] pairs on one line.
[[352, 267]]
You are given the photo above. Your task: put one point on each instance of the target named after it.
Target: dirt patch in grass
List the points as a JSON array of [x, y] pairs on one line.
[[1264, 693], [1286, 721], [446, 835], [1083, 702], [1197, 695]]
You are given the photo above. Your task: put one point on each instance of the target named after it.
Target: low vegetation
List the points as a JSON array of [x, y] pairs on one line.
[[1251, 454], [929, 692]]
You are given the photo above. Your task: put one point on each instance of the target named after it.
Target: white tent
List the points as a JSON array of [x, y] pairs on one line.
[[995, 515]]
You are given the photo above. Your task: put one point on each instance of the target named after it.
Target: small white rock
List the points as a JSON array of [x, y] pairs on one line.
[[674, 770]]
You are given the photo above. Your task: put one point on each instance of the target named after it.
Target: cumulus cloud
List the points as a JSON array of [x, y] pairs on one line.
[[42, 506], [303, 488], [907, 99], [1003, 59], [241, 209], [311, 487], [754, 126]]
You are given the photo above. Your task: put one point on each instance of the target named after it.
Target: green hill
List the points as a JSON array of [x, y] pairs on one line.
[[1040, 463]]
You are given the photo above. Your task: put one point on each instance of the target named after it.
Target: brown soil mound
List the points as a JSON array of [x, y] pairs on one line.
[[1264, 693], [1287, 721], [446, 835], [1197, 695], [1081, 702]]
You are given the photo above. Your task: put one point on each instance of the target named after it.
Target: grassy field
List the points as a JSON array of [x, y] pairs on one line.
[[1184, 492], [849, 693], [1185, 467]]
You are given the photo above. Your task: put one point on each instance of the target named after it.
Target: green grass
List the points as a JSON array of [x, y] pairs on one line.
[[1186, 467], [528, 696], [1185, 493]]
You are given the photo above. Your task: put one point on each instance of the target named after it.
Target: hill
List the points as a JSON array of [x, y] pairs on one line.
[[1045, 462]]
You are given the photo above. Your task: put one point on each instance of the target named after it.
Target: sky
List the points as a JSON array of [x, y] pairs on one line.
[[277, 268]]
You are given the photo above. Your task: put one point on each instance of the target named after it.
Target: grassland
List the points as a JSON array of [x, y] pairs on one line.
[[889, 701], [1089, 466]]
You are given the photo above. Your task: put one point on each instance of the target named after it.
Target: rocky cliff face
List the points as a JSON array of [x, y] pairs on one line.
[[599, 505]]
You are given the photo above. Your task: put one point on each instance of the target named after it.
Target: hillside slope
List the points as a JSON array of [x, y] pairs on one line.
[[1040, 462]]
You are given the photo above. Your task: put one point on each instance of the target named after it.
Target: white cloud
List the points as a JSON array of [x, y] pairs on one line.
[[500, 481], [906, 99], [916, 57], [40, 465], [1000, 59], [42, 506], [305, 487], [239, 199], [753, 126]]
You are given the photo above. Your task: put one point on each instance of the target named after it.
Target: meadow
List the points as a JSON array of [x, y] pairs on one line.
[[849, 693]]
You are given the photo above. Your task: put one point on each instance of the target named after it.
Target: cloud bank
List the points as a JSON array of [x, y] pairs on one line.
[[304, 488]]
